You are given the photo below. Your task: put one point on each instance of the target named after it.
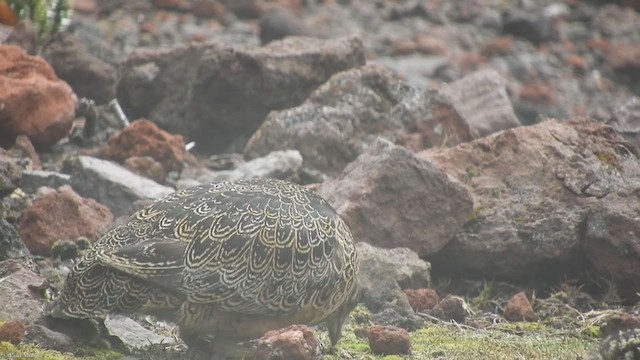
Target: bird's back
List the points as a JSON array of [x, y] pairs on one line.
[[262, 246]]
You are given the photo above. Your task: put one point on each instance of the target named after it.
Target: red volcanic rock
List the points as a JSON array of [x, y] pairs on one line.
[[146, 166], [144, 138], [538, 93], [450, 308], [389, 340], [422, 299], [61, 215], [12, 331], [519, 308], [623, 57], [35, 102], [295, 342]]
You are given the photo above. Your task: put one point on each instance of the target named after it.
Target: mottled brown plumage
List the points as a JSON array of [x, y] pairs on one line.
[[232, 259]]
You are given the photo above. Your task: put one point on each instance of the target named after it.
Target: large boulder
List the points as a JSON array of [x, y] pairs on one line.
[[533, 189], [34, 101], [391, 198], [219, 95], [341, 118]]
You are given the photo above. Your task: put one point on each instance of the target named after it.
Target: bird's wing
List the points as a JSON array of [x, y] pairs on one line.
[[160, 261]]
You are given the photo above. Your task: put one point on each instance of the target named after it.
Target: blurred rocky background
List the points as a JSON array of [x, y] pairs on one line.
[[484, 153]]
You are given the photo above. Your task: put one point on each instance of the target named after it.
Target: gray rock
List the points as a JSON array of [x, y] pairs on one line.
[[529, 25], [385, 272], [475, 106], [341, 118], [34, 179], [280, 22], [391, 198], [626, 121], [25, 35], [481, 100], [278, 165], [48, 339], [11, 246], [17, 301], [133, 335], [400, 317], [612, 238], [88, 76], [416, 69], [10, 174], [216, 94], [112, 185]]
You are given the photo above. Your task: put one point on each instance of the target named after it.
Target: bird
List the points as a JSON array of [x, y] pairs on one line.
[[229, 260]]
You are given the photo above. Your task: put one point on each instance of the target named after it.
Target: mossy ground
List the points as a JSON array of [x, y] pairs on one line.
[[30, 352], [568, 328], [503, 341]]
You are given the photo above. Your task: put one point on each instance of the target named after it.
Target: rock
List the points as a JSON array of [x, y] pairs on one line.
[[625, 344], [62, 215], [12, 331], [85, 6], [340, 119], [144, 138], [538, 94], [24, 35], [295, 342], [244, 8], [278, 165], [146, 166], [17, 301], [384, 272], [626, 121], [422, 299], [209, 9], [519, 309], [619, 322], [624, 58], [44, 338], [391, 198], [181, 5], [389, 340], [219, 95], [133, 335], [11, 246], [35, 102], [470, 108], [88, 76], [280, 22], [501, 45], [32, 180], [23, 149], [10, 174], [612, 237], [112, 185], [399, 314], [528, 25], [532, 189], [450, 308]]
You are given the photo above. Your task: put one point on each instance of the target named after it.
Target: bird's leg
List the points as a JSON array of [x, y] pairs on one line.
[[195, 342], [232, 348]]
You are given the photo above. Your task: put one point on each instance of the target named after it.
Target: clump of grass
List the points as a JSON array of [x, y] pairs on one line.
[[48, 16]]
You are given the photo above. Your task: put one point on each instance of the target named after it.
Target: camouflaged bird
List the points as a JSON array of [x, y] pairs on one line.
[[232, 259]]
